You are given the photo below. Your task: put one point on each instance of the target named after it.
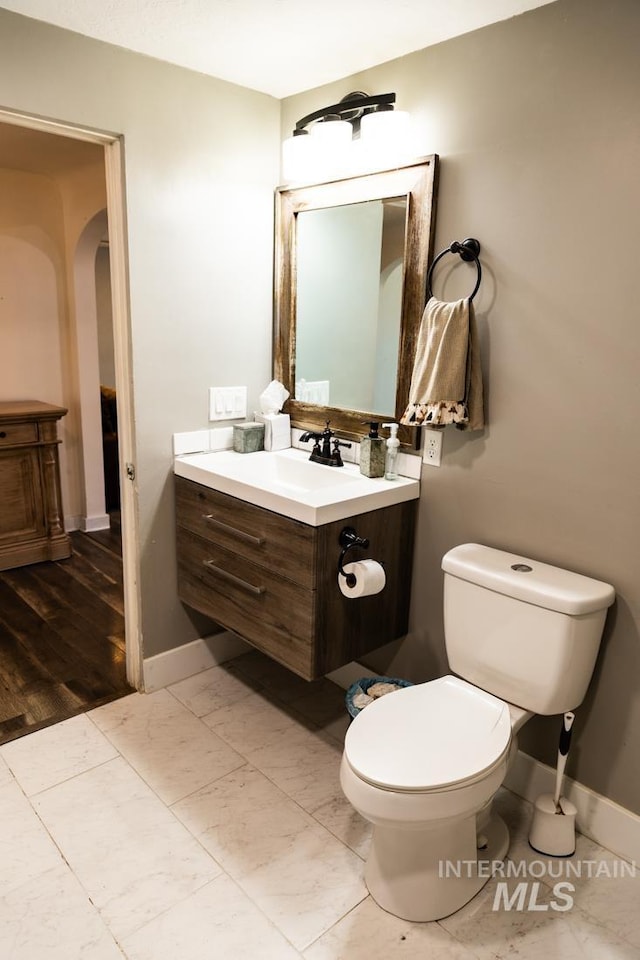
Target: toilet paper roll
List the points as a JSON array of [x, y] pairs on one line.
[[370, 579]]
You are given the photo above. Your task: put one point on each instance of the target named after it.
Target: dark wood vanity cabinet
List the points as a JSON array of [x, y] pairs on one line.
[[273, 580], [31, 526]]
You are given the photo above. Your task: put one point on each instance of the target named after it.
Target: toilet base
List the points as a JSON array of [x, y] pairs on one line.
[[422, 875]]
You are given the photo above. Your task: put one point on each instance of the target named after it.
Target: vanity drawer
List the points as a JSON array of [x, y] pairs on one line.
[[265, 538], [16, 433], [270, 611]]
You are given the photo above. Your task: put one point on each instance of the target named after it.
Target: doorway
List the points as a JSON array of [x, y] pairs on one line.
[[99, 566]]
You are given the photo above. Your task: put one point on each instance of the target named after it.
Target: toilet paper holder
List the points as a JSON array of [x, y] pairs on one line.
[[348, 539]]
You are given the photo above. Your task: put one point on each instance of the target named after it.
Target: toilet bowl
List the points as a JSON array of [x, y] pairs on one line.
[[423, 763], [424, 795]]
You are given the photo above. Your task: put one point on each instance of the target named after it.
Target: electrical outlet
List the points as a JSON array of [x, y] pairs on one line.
[[432, 450]]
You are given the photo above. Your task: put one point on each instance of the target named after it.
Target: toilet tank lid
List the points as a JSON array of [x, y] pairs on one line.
[[530, 580]]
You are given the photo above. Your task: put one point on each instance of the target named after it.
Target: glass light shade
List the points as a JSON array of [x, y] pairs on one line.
[[386, 136], [331, 147], [332, 134], [318, 155], [297, 158]]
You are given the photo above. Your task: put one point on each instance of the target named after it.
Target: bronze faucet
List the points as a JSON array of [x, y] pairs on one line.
[[322, 452]]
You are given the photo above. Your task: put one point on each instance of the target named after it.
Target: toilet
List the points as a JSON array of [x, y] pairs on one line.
[[423, 764]]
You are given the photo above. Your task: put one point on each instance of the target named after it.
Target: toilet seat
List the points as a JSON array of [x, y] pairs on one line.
[[432, 736]]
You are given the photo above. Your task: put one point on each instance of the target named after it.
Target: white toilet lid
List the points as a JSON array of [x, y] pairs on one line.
[[431, 735]]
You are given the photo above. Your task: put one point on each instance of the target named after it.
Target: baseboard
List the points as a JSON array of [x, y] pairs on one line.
[[87, 524], [100, 521], [599, 818], [184, 661]]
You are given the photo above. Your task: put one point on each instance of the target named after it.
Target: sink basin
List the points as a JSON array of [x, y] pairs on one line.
[[288, 483]]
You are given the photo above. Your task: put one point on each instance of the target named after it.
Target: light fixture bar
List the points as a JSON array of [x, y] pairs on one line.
[[356, 104]]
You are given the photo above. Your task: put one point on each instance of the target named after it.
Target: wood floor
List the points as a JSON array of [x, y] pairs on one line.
[[62, 645]]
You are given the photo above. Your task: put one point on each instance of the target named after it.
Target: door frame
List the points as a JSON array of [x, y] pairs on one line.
[[116, 216]]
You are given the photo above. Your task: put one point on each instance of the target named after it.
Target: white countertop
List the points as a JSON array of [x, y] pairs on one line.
[[288, 483]]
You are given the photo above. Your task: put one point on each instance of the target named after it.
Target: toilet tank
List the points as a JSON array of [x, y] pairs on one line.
[[522, 630]]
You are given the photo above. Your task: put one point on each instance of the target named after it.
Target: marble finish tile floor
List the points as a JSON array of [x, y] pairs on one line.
[[206, 820]]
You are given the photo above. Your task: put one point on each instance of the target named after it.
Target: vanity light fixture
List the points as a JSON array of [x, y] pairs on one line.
[[359, 133]]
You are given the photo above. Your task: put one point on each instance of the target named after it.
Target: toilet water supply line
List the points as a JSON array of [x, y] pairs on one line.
[[563, 750]]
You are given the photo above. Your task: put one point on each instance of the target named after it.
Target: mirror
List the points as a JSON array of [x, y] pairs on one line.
[[350, 261], [350, 276]]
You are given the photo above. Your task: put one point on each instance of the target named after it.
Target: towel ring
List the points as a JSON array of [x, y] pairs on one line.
[[468, 251]]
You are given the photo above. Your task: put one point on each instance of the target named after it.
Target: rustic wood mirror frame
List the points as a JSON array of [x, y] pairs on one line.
[[418, 182]]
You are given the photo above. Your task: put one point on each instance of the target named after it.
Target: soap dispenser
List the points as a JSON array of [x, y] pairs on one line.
[[372, 452], [391, 468]]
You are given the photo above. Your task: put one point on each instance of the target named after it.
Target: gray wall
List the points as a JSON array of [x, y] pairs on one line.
[[201, 162], [537, 122]]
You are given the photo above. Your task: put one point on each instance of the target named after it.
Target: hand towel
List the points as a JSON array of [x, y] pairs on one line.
[[446, 385]]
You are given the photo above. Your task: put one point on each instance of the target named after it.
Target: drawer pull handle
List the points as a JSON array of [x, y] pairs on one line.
[[240, 534], [233, 579], [3, 434]]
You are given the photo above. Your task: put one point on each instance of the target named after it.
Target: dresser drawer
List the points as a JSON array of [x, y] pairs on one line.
[[285, 546], [271, 612], [15, 433]]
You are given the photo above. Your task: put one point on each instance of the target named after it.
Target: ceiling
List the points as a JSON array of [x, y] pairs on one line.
[[280, 47]]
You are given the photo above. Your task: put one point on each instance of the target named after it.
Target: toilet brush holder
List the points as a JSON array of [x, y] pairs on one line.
[[553, 828]]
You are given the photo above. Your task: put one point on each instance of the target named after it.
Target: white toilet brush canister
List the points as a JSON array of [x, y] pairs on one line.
[[553, 828]]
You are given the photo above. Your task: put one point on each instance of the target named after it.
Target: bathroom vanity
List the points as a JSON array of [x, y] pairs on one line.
[[272, 578]]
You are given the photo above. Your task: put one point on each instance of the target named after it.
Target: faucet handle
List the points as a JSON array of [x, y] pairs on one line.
[[335, 453]]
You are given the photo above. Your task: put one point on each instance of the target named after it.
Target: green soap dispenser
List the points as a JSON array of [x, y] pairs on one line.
[[372, 452]]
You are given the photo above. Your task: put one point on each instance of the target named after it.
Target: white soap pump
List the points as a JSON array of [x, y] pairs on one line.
[[390, 468]]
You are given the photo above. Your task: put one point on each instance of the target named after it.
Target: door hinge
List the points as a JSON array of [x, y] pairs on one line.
[[131, 471]]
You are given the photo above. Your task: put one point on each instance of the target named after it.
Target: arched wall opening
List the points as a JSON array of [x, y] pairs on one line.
[[95, 516]]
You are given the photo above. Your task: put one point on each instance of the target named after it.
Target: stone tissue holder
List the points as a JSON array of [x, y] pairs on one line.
[[248, 437]]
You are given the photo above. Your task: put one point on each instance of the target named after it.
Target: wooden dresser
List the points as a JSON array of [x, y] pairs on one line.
[[31, 526]]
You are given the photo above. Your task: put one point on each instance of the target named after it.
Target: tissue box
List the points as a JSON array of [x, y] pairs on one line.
[[248, 437], [277, 430]]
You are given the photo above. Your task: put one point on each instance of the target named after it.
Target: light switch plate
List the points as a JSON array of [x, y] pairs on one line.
[[227, 403]]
